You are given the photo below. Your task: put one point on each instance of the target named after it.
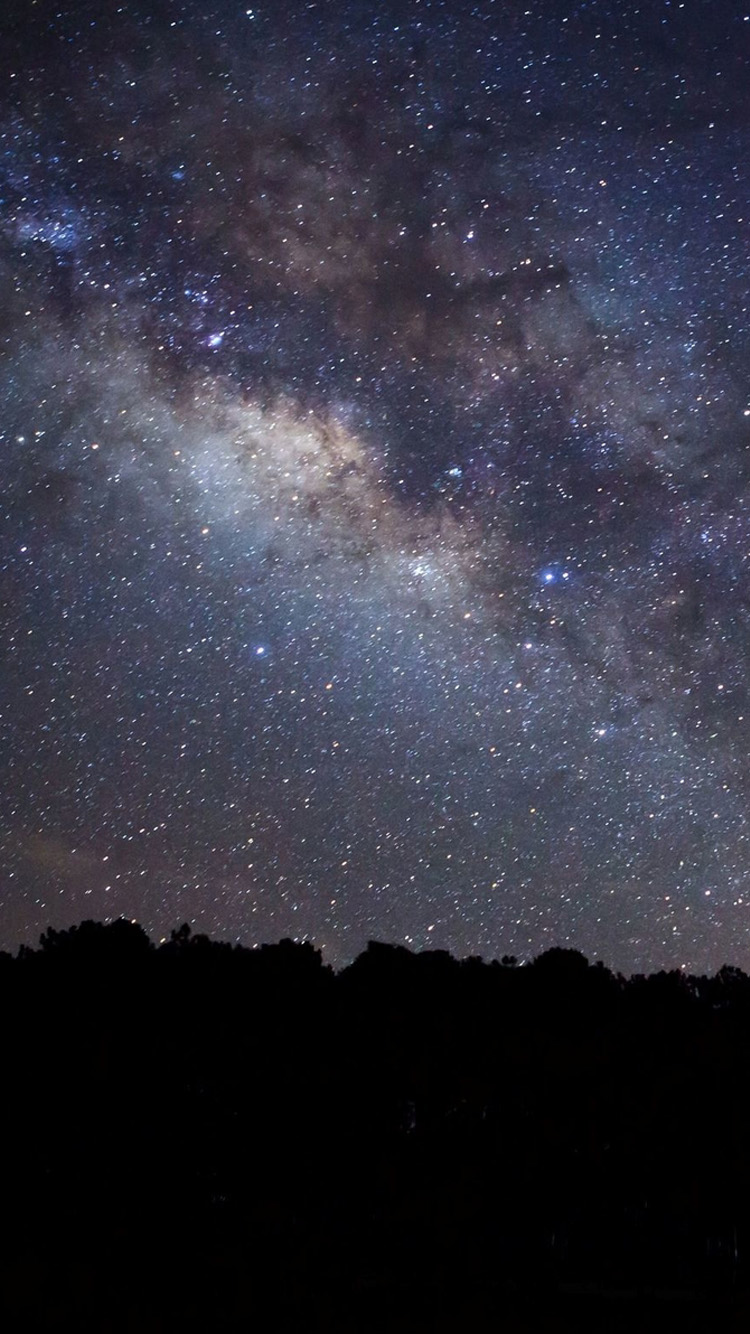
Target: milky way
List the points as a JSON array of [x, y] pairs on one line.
[[375, 516]]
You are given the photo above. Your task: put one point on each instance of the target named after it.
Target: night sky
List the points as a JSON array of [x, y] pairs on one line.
[[375, 506]]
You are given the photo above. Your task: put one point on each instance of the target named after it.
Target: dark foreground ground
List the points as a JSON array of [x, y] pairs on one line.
[[101, 1300], [201, 1137]]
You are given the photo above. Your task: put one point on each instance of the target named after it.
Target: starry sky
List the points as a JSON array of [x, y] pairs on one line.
[[375, 505]]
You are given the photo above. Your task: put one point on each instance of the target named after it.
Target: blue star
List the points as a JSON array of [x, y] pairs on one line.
[[553, 574]]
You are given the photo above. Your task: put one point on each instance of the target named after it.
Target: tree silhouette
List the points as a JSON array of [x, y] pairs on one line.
[[386, 1139]]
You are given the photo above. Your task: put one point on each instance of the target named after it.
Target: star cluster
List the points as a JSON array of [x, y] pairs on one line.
[[375, 524]]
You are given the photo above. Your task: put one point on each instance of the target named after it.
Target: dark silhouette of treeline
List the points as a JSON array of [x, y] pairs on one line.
[[200, 1136]]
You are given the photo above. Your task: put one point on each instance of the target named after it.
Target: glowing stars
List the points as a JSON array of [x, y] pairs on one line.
[[455, 472], [215, 340], [553, 574], [260, 650]]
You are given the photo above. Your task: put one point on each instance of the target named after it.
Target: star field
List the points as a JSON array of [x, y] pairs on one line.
[[375, 518]]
